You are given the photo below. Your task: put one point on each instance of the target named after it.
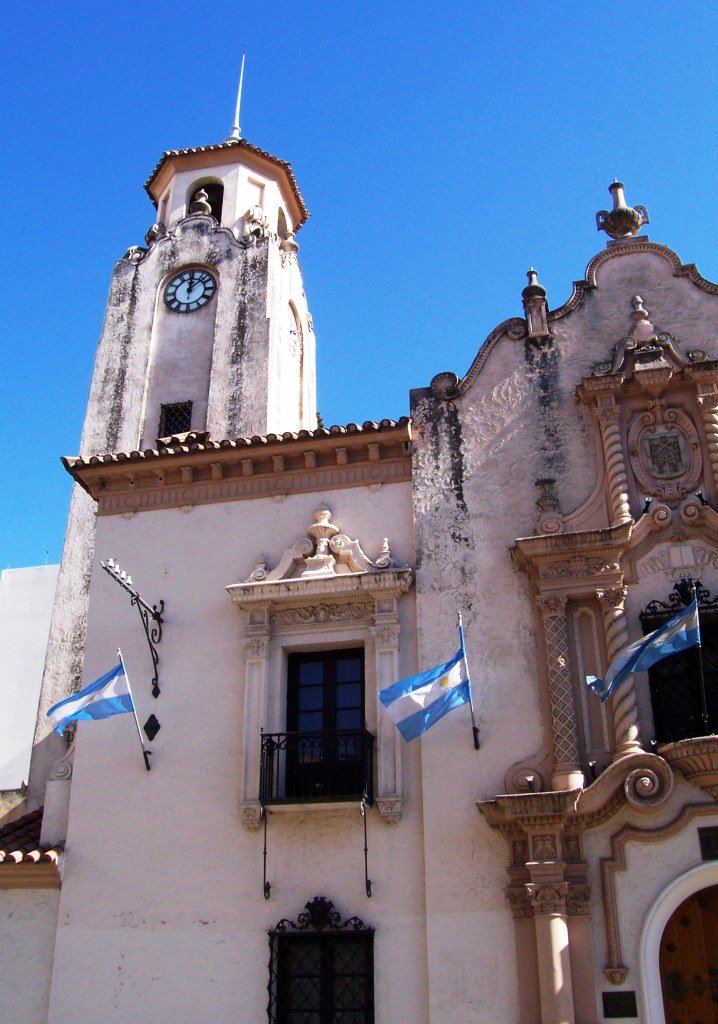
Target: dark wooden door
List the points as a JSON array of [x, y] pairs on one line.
[[689, 961]]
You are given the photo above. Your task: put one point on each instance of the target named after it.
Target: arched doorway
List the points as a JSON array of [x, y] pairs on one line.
[[689, 960]]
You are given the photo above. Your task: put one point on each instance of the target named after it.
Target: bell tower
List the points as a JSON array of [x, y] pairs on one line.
[[206, 329], [207, 326]]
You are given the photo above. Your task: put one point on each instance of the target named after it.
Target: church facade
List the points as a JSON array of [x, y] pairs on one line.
[[289, 857]]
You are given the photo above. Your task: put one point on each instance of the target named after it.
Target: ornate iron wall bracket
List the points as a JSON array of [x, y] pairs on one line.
[[151, 617]]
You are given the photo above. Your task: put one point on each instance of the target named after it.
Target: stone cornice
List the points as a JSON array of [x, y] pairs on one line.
[[345, 586], [563, 562], [201, 472]]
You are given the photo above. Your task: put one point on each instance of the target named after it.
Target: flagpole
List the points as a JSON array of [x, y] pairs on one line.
[[474, 726], [701, 677], [145, 753]]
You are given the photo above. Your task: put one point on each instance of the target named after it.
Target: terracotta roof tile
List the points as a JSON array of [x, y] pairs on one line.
[[243, 144], [20, 841], [200, 441]]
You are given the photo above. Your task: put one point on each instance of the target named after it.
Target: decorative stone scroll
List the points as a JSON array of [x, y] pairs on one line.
[[325, 551]]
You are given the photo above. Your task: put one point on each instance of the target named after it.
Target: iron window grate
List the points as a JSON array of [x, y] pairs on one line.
[[175, 418], [321, 969]]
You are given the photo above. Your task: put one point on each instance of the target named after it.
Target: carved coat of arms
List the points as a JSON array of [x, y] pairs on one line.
[[664, 451]]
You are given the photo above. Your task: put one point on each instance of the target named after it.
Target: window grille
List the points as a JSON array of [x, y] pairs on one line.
[[321, 969], [674, 682], [175, 419]]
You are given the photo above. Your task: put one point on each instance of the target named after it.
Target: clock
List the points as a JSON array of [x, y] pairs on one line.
[[190, 290]]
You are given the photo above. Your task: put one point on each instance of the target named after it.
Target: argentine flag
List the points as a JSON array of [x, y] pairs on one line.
[[414, 704], [108, 695], [678, 634]]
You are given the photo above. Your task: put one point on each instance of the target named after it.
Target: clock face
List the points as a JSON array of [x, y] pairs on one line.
[[189, 290]]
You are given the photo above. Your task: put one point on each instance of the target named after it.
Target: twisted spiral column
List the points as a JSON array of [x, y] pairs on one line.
[[623, 702], [567, 769], [708, 401], [608, 414]]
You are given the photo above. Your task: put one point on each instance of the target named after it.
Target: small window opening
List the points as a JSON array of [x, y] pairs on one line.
[[215, 196], [282, 224], [175, 418]]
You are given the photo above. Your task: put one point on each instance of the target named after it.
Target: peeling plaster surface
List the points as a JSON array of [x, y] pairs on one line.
[[476, 460]]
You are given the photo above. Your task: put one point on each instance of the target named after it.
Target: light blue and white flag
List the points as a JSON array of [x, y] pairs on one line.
[[678, 634], [415, 704], [109, 695]]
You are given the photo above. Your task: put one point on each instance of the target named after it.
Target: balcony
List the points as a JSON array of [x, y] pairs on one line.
[[329, 766]]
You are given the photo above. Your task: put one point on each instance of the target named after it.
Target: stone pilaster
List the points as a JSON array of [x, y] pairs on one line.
[[623, 702], [256, 647], [609, 414], [548, 899], [567, 769], [386, 633]]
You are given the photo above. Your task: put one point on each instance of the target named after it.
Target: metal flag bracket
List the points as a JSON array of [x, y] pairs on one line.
[[150, 616], [266, 886], [367, 880]]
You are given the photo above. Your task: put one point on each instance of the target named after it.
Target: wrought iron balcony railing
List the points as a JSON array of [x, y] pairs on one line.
[[305, 767]]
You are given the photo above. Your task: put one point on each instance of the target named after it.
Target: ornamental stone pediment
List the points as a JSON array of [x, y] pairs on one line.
[[326, 562]]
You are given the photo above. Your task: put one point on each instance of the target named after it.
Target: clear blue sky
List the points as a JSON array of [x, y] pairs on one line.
[[441, 148]]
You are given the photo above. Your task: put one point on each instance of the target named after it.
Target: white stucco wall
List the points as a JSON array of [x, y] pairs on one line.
[[27, 937], [26, 601], [161, 881]]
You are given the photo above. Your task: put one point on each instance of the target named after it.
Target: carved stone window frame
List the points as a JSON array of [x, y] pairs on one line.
[[320, 612]]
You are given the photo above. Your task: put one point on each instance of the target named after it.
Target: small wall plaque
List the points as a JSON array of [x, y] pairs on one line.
[[619, 1004]]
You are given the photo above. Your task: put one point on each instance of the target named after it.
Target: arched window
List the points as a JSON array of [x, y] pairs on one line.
[[215, 196], [282, 230]]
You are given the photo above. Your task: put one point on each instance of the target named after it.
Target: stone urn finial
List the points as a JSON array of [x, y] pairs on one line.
[[199, 204], [622, 221], [643, 331]]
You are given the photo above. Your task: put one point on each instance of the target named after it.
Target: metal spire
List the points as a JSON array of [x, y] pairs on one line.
[[236, 131]]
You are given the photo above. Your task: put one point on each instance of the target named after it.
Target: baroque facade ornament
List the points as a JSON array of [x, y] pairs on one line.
[[623, 221], [548, 897], [325, 551], [318, 614], [665, 451]]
